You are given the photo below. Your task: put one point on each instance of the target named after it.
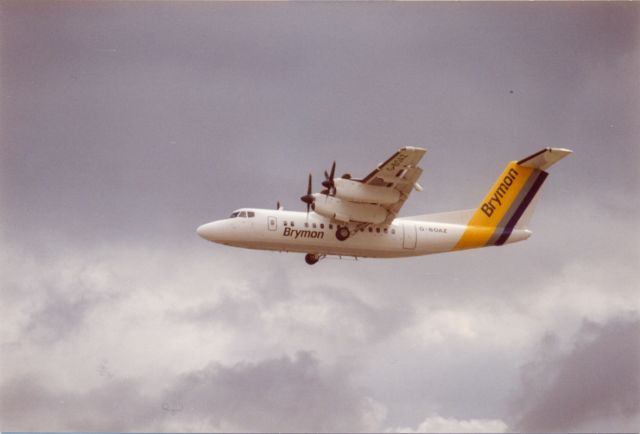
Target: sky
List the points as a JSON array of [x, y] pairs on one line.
[[125, 125]]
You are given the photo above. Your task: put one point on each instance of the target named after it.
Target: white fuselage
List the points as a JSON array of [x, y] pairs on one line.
[[292, 231]]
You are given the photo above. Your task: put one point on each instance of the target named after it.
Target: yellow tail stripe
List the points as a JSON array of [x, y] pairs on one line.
[[495, 205]]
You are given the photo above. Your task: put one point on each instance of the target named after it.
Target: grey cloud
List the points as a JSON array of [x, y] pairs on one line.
[[348, 314], [29, 404], [265, 292], [286, 394], [57, 307], [59, 317], [242, 311], [279, 395], [598, 379]]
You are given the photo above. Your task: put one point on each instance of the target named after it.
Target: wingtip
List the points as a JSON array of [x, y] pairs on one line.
[[414, 148]]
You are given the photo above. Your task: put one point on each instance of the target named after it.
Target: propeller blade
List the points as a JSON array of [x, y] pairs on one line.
[[328, 182], [308, 198]]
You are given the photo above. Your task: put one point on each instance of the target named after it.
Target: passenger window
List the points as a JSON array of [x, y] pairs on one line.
[[251, 214], [292, 225], [386, 230], [378, 230], [393, 231], [370, 229], [321, 225], [306, 224], [330, 226], [284, 222], [313, 225]]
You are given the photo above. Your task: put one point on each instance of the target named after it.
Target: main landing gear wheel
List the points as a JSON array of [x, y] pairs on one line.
[[342, 233], [311, 259]]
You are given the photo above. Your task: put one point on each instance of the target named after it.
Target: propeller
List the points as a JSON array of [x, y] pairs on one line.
[[308, 198], [328, 184]]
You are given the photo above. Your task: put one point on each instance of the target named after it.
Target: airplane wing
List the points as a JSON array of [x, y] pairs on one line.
[[400, 172]]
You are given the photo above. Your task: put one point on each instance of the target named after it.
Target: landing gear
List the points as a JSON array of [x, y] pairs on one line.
[[342, 233], [311, 258]]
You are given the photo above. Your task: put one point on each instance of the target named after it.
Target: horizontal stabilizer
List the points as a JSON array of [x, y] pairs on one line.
[[544, 159]]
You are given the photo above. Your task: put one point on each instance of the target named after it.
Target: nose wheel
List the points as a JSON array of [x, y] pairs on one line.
[[311, 258], [342, 233]]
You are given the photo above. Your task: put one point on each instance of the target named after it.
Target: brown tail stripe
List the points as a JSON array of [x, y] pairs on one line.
[[539, 180], [506, 218]]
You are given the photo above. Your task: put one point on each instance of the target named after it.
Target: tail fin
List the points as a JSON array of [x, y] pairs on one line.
[[511, 195]]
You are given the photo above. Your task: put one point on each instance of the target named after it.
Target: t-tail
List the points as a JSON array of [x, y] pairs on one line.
[[504, 214]]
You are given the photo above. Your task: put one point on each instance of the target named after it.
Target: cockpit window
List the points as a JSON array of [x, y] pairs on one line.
[[242, 214]]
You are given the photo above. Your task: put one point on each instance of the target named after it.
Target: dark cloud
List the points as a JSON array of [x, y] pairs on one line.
[[284, 395], [598, 379]]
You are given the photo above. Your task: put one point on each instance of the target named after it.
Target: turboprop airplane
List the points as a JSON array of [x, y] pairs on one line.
[[359, 217]]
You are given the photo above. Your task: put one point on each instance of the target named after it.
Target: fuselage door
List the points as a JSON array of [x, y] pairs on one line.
[[409, 236], [272, 223]]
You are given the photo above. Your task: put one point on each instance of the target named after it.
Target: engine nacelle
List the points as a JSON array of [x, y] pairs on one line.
[[356, 191], [341, 210]]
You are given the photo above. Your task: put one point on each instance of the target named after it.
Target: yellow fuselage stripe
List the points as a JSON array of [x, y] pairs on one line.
[[495, 205]]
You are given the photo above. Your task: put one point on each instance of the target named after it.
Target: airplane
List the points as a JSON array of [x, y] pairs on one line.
[[359, 217]]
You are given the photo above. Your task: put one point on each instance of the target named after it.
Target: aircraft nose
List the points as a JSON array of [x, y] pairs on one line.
[[219, 231], [207, 231]]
